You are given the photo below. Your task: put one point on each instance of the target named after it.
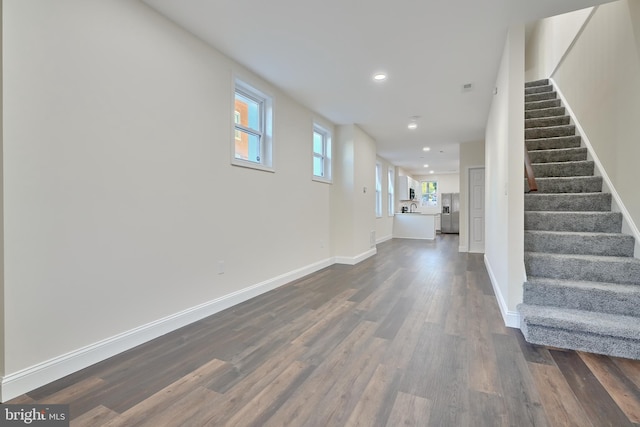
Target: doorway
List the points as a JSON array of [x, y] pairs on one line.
[[476, 210]]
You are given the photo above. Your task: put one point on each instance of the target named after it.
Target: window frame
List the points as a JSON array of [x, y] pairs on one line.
[[422, 200], [325, 156], [378, 207], [264, 132], [391, 178]]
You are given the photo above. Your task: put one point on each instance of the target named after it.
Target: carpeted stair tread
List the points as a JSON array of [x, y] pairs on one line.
[[574, 184], [550, 132], [563, 169], [544, 112], [592, 202], [538, 89], [582, 320], [540, 82], [558, 155], [613, 298], [542, 122], [536, 105], [542, 96], [571, 141], [581, 243], [592, 332], [625, 270], [604, 222]]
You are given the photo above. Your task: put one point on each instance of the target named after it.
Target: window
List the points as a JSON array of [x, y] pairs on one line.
[[321, 154], [236, 120], [252, 143], [378, 190], [390, 186], [429, 193]]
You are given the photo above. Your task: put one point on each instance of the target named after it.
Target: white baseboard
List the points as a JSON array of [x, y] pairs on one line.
[[511, 318], [25, 380], [356, 259], [384, 239], [463, 249]]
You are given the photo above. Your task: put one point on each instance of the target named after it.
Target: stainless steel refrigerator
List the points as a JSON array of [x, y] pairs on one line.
[[450, 218]]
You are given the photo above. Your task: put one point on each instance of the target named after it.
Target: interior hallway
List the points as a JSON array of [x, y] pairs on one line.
[[411, 336]]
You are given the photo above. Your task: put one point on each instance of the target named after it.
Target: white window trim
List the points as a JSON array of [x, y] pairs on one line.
[[422, 203], [267, 148], [326, 155], [378, 207], [391, 192]]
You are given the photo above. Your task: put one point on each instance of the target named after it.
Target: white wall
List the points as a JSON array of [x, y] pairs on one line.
[[600, 79], [343, 191], [549, 41], [384, 225], [471, 155], [364, 202], [119, 196], [504, 160], [447, 183], [352, 207], [2, 311]]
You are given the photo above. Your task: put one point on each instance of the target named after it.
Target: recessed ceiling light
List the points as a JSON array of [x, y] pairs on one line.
[[426, 166], [430, 171], [426, 149], [412, 125], [379, 77]]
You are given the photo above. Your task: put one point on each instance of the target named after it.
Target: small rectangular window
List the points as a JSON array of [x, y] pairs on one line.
[[321, 154], [429, 193], [390, 195], [378, 190], [252, 121]]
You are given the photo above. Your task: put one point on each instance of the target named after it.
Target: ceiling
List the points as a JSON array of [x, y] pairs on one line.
[[324, 54]]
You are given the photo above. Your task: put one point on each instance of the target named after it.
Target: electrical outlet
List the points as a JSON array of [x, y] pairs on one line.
[[220, 267], [321, 243]]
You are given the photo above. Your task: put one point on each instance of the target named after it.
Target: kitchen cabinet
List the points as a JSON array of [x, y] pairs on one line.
[[414, 226], [405, 183], [418, 190]]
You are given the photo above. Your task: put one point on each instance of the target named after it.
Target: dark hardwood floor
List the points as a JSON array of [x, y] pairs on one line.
[[410, 337]]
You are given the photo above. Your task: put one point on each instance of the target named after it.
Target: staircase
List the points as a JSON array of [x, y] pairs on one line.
[[583, 286]]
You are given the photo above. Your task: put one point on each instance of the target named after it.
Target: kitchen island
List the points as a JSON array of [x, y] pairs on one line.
[[414, 225]]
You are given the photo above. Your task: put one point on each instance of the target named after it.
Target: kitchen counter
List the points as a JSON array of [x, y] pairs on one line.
[[414, 225]]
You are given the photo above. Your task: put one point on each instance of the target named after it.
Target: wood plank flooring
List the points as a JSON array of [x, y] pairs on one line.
[[410, 337]]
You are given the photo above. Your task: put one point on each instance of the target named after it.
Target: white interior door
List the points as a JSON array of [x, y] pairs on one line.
[[476, 210]]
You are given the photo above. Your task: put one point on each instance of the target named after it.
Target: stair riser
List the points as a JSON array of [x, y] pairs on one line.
[[544, 96], [544, 112], [600, 300], [564, 169], [541, 82], [620, 245], [550, 132], [537, 105], [546, 122], [559, 155], [567, 185], [553, 143], [558, 267], [606, 222], [567, 202], [538, 89], [581, 341]]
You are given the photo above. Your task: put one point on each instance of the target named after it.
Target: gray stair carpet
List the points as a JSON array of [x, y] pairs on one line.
[[583, 282]]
